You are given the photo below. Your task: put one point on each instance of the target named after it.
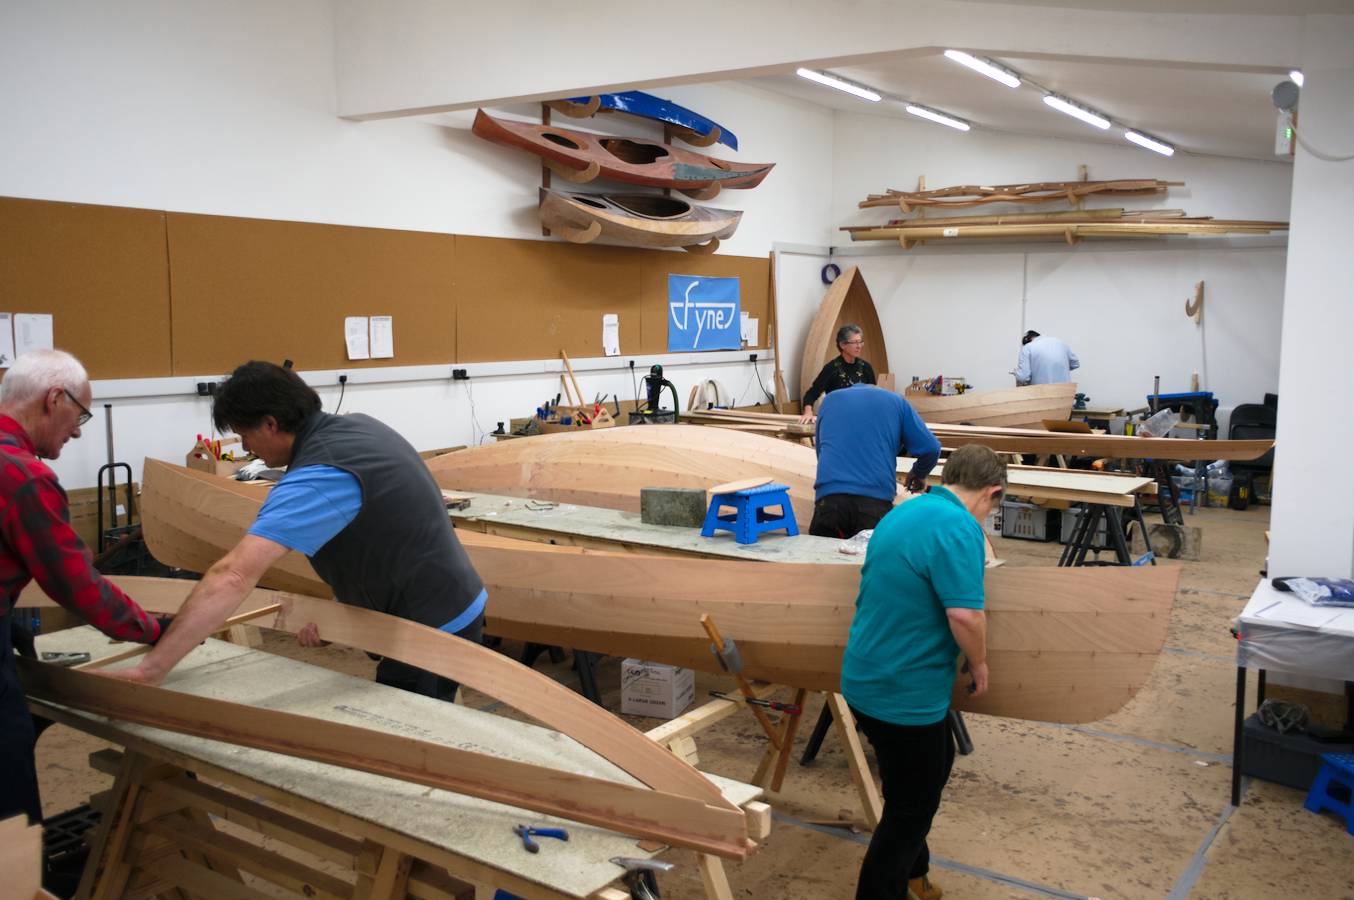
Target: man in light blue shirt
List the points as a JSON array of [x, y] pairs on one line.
[[1044, 360]]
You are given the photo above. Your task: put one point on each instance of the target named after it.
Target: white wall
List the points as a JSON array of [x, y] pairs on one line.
[[960, 309], [229, 109], [1313, 516]]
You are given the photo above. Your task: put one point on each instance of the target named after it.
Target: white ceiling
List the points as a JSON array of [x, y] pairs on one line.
[[1206, 111]]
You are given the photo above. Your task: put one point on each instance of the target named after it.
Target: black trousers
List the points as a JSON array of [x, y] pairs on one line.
[[846, 515], [393, 673], [914, 764], [18, 767]]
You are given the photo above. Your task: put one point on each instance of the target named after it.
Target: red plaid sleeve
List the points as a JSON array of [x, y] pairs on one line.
[[37, 529]]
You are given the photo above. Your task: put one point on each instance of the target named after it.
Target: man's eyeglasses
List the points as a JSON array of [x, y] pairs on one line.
[[85, 414]]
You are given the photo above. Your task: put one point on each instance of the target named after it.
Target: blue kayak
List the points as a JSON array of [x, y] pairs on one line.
[[647, 106]]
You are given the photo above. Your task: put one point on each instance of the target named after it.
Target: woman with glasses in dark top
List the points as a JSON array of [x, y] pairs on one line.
[[844, 371]]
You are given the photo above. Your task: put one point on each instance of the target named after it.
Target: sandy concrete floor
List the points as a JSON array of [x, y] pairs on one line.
[[1134, 806]]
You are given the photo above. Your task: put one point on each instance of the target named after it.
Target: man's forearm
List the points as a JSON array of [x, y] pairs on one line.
[[216, 596], [970, 632]]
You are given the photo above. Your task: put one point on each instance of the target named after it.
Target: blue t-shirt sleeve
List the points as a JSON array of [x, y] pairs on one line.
[[956, 566], [308, 507]]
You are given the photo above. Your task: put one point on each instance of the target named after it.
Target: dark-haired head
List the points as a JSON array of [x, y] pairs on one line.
[[1029, 336], [258, 389]]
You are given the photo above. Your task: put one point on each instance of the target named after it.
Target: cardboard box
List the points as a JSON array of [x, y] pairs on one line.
[[654, 689], [84, 512], [204, 460]]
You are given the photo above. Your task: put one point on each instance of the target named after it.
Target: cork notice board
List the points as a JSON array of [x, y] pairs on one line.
[[103, 274], [145, 293]]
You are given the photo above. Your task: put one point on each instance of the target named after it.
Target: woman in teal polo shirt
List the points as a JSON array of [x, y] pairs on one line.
[[920, 605]]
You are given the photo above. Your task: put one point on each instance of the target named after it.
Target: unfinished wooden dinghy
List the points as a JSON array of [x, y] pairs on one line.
[[1064, 644], [847, 302], [638, 220], [1017, 407], [608, 467], [579, 157]]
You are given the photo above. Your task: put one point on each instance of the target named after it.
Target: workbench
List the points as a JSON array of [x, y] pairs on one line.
[[395, 837], [610, 529]]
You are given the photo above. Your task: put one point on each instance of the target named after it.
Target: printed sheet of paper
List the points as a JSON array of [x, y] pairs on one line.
[[611, 334], [32, 331], [382, 337], [748, 328], [355, 336], [6, 340]]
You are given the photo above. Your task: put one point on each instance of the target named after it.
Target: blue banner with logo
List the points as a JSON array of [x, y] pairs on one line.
[[703, 313]]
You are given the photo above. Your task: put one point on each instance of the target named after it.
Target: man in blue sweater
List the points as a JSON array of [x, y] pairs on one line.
[[860, 434]]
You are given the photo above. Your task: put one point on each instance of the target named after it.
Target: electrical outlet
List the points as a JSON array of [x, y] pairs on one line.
[[460, 375], [752, 357], [203, 389], [343, 379]]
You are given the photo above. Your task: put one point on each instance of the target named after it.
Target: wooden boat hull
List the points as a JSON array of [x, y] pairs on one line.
[[1064, 645], [608, 467], [1017, 407], [847, 302], [637, 220], [690, 126], [630, 160]]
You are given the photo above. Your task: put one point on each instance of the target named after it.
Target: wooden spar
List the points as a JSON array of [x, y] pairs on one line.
[[608, 467], [967, 195], [637, 220], [847, 301], [1013, 407], [1136, 228], [474, 666], [678, 819], [1073, 644], [1114, 446], [1105, 213]]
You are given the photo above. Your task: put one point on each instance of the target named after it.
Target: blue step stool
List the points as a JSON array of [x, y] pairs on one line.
[[1337, 770], [750, 517]]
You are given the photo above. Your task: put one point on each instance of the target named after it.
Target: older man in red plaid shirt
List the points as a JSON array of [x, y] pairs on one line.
[[44, 401]]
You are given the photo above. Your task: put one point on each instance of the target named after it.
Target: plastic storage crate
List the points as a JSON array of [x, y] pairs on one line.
[[1028, 522], [1288, 759]]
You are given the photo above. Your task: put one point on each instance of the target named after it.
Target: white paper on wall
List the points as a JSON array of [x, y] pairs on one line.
[[6, 340], [382, 337], [749, 329], [611, 334], [355, 336], [32, 331]]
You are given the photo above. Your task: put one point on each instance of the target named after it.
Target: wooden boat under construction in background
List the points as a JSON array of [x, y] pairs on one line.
[[1064, 644], [847, 302], [638, 220], [1017, 407], [580, 156]]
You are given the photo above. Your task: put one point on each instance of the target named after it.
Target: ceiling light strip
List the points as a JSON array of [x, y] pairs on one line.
[[938, 117], [985, 66], [840, 84], [1077, 111], [1151, 143]]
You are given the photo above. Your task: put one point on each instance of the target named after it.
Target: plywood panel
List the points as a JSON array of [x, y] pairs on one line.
[[261, 289], [101, 271]]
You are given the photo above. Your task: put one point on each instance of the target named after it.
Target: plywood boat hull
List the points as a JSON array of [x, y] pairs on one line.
[[1065, 645], [630, 160], [608, 467], [690, 126], [1017, 407], [637, 220], [847, 302]]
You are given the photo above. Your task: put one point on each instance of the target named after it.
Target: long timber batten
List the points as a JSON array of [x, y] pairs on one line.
[[1065, 645]]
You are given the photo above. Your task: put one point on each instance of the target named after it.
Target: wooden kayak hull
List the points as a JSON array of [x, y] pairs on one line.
[[1017, 407], [690, 126], [629, 160], [1064, 645], [847, 302], [637, 220]]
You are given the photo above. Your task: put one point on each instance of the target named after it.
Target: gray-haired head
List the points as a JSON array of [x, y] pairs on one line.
[[36, 373], [847, 333]]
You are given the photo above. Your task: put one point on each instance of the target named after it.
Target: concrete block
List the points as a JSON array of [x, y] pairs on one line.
[[672, 506]]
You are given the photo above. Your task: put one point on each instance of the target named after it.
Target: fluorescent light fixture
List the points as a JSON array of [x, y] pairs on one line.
[[1295, 76], [1150, 143], [985, 67], [833, 81], [1076, 111], [940, 117]]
